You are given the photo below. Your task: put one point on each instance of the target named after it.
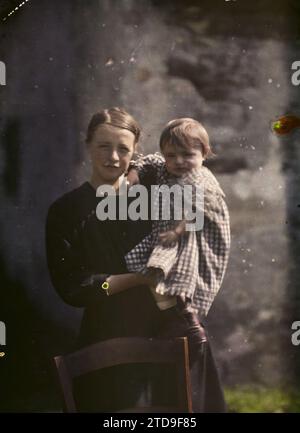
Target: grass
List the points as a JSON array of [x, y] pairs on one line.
[[251, 399]]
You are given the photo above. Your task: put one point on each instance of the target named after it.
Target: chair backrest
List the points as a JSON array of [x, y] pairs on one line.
[[128, 350]]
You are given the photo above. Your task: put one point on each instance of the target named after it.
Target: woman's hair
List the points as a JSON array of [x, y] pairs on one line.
[[114, 116], [187, 133]]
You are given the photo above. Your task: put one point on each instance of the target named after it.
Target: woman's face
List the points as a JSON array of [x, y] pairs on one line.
[[111, 150]]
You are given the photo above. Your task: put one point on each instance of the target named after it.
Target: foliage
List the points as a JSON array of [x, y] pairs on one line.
[[252, 399]]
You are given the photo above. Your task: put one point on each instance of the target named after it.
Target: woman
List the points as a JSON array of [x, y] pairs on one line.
[[82, 251]]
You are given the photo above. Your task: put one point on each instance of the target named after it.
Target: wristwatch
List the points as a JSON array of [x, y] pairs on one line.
[[105, 286]]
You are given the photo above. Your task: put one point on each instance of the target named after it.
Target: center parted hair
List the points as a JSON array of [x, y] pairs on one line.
[[116, 117], [188, 133]]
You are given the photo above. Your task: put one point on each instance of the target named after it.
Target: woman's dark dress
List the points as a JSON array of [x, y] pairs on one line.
[[79, 249]]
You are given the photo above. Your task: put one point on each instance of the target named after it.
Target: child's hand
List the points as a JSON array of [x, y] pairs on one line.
[[169, 238], [133, 177]]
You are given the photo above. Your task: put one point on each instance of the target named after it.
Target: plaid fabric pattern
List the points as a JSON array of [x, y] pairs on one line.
[[194, 267]]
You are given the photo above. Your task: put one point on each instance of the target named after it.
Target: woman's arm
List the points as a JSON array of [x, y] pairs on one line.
[[121, 282], [75, 284]]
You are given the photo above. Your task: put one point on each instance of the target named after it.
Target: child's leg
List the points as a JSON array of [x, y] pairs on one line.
[[207, 394], [179, 322]]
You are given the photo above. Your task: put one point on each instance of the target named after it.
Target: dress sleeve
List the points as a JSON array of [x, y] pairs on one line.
[[214, 246], [148, 166], [74, 283]]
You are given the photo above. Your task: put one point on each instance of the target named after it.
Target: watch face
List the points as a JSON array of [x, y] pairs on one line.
[[105, 285]]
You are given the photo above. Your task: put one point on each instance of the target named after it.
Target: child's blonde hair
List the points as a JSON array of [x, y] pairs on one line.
[[188, 133]]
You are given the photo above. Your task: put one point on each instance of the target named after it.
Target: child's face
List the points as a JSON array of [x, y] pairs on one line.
[[180, 161]]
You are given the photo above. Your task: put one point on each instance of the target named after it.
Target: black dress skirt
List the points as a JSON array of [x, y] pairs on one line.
[[79, 249]]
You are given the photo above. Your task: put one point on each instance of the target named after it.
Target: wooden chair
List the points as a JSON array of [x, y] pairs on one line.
[[118, 351]]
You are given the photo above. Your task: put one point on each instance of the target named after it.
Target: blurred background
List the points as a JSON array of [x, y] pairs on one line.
[[226, 63]]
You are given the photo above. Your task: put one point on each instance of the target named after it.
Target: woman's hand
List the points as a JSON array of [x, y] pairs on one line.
[[133, 177]]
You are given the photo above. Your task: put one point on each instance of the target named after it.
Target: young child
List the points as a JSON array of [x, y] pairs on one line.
[[180, 263]]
